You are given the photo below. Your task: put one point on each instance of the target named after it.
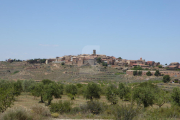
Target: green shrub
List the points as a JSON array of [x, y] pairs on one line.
[[124, 112], [79, 85], [139, 73], [119, 73], [137, 68], [41, 110], [164, 113], [148, 73], [61, 107], [94, 107], [15, 72], [104, 64], [176, 81], [160, 66], [84, 108], [135, 73], [17, 114], [176, 96], [166, 78], [55, 115], [75, 110], [157, 73]]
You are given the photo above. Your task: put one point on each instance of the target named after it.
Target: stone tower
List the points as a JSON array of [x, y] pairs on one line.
[[94, 52]]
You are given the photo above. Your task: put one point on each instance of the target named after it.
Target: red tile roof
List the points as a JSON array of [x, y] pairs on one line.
[[172, 66]]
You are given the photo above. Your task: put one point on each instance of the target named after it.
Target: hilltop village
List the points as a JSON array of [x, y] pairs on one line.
[[107, 61]]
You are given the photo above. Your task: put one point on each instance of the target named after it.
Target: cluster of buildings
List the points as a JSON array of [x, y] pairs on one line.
[[173, 65], [91, 59], [79, 60]]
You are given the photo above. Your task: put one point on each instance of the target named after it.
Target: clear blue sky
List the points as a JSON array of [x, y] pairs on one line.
[[122, 28]]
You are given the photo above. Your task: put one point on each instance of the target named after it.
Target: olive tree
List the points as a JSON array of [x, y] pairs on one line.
[[144, 94], [6, 94], [111, 94], [166, 78], [123, 91], [71, 90], [176, 96], [161, 97], [92, 91]]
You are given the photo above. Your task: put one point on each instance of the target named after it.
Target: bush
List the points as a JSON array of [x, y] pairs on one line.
[[61, 107], [160, 66], [148, 73], [79, 85], [75, 110], [94, 107], [139, 73], [157, 73], [176, 96], [124, 112], [135, 73], [104, 64], [166, 78], [17, 114], [15, 72], [137, 68], [41, 110], [55, 115], [164, 113]]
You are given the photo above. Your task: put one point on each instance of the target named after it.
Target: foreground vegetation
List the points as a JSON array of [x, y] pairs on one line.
[[93, 100]]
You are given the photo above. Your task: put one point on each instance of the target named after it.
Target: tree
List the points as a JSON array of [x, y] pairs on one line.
[[161, 97], [148, 73], [123, 91], [26, 85], [46, 90], [92, 91], [99, 60], [135, 73], [176, 96], [104, 64], [71, 90], [38, 90], [137, 68], [119, 58], [111, 94], [144, 94], [52, 89], [6, 95], [139, 73], [157, 73], [160, 66], [46, 81], [17, 88], [166, 78]]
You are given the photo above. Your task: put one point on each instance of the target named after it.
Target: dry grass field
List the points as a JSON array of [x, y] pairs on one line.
[[26, 101]]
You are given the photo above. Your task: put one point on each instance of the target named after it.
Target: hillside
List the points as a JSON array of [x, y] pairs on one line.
[[65, 73]]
